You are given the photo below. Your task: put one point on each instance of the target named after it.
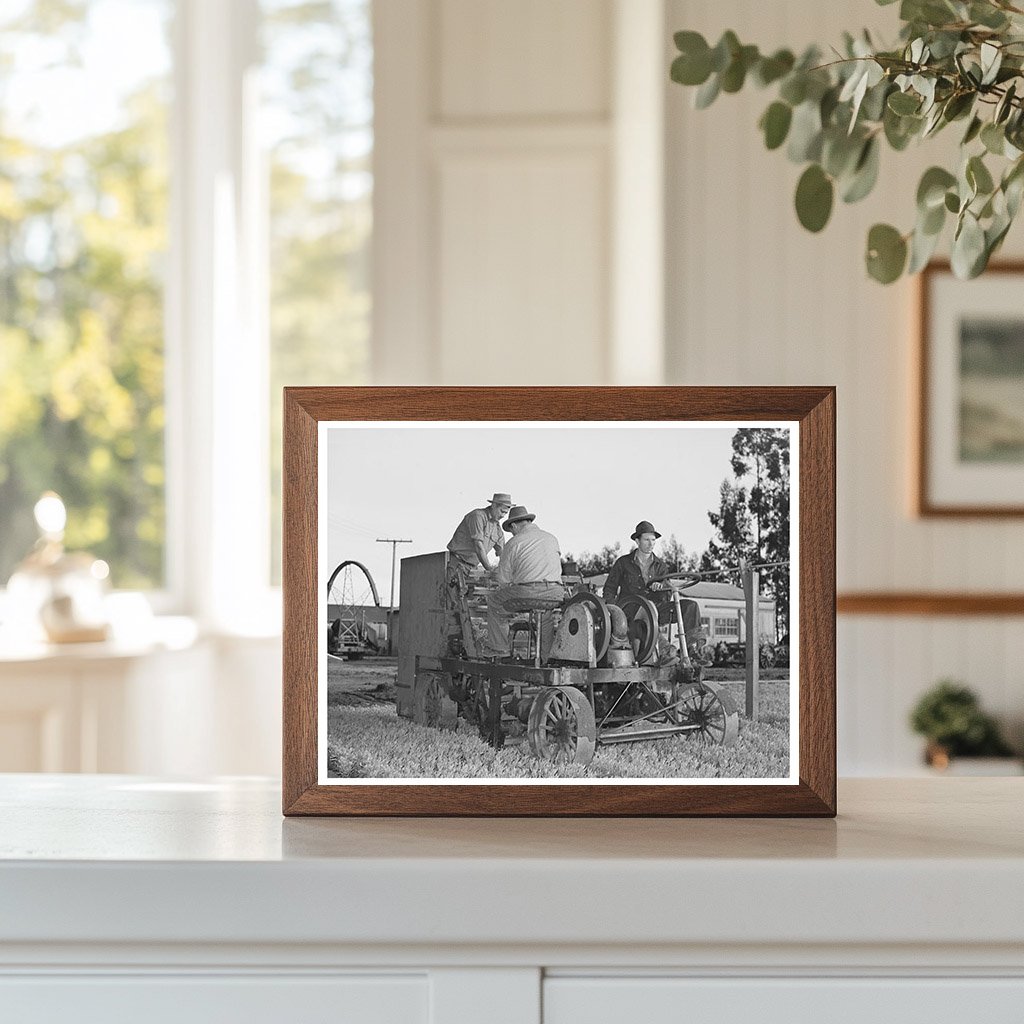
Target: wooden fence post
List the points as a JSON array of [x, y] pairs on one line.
[[751, 589]]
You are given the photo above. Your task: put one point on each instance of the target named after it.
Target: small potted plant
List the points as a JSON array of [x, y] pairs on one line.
[[950, 717]]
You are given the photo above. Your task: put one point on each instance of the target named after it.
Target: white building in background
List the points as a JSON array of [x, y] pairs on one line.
[[722, 610]]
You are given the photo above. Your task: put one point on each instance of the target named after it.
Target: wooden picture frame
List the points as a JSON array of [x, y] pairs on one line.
[[942, 488], [811, 413]]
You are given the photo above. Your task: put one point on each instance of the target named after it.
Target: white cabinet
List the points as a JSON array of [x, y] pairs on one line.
[[132, 898], [202, 999], [823, 1000]]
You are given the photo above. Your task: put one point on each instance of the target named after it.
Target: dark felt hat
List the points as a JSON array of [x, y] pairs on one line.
[[518, 515], [644, 527]]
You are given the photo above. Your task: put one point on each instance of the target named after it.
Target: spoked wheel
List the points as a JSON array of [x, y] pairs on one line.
[[712, 710], [562, 726], [431, 705]]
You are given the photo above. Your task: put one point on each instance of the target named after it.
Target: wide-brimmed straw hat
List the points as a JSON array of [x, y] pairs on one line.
[[518, 514], [642, 528], [500, 499]]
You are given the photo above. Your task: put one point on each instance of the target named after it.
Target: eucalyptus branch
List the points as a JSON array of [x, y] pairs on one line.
[[953, 59]]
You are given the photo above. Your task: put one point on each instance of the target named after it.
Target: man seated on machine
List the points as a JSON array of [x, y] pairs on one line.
[[637, 575], [479, 534], [530, 569]]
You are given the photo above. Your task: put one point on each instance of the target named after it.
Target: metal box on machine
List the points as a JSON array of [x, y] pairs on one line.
[[422, 601]]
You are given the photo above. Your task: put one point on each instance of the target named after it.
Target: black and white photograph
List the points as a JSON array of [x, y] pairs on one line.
[[534, 602]]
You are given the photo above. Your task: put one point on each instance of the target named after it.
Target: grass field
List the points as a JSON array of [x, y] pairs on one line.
[[367, 739]]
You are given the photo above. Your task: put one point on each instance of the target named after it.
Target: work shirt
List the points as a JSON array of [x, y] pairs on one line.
[[476, 526], [627, 577], [531, 556]]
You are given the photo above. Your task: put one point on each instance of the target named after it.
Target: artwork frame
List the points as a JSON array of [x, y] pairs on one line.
[[813, 794], [959, 471]]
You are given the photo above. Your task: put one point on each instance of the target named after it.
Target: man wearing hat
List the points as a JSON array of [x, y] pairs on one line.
[[530, 569], [480, 533], [631, 574], [637, 574]]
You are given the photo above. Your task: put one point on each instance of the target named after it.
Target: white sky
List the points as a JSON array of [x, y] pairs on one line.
[[588, 486]]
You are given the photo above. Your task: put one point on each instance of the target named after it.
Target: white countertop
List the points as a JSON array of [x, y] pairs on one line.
[[120, 859]]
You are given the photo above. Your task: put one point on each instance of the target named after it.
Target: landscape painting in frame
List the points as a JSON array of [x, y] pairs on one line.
[[972, 393], [535, 603]]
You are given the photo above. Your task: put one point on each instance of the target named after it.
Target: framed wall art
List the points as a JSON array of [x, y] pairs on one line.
[[970, 444], [559, 601]]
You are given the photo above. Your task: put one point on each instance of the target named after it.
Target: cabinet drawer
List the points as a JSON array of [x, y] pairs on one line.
[[202, 999], [661, 1000]]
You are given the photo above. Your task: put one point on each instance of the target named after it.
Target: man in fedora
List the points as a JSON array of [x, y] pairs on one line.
[[637, 574], [530, 569], [631, 575], [480, 533]]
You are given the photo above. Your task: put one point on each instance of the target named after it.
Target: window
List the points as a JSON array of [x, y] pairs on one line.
[[727, 626], [705, 623], [317, 129], [83, 239], [239, 215]]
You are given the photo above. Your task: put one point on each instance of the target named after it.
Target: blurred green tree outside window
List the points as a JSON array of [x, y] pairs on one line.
[[83, 239], [317, 125]]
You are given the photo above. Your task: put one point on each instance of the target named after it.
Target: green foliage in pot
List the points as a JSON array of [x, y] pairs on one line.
[[950, 717], [957, 62]]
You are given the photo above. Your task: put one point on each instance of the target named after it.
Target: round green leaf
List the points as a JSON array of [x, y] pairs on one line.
[[887, 253], [968, 256], [814, 194], [794, 89], [770, 69], [903, 103], [973, 129], [978, 176], [725, 49], [993, 138], [865, 173], [775, 123], [932, 189], [805, 133], [707, 93], [952, 202], [693, 65]]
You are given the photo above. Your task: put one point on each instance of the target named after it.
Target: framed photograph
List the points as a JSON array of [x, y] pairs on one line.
[[559, 601], [970, 450]]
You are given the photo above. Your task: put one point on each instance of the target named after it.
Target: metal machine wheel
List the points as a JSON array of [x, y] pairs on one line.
[[562, 726], [602, 620], [431, 705], [642, 614], [712, 710]]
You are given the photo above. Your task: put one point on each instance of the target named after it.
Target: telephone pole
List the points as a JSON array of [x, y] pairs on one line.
[[394, 542]]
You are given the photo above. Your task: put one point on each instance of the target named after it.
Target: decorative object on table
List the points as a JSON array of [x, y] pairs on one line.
[[956, 62], [970, 450], [58, 594], [519, 690], [950, 717]]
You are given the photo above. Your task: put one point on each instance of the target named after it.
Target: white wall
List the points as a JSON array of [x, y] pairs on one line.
[[504, 134]]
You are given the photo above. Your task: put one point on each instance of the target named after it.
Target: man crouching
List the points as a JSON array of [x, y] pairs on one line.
[[530, 568]]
